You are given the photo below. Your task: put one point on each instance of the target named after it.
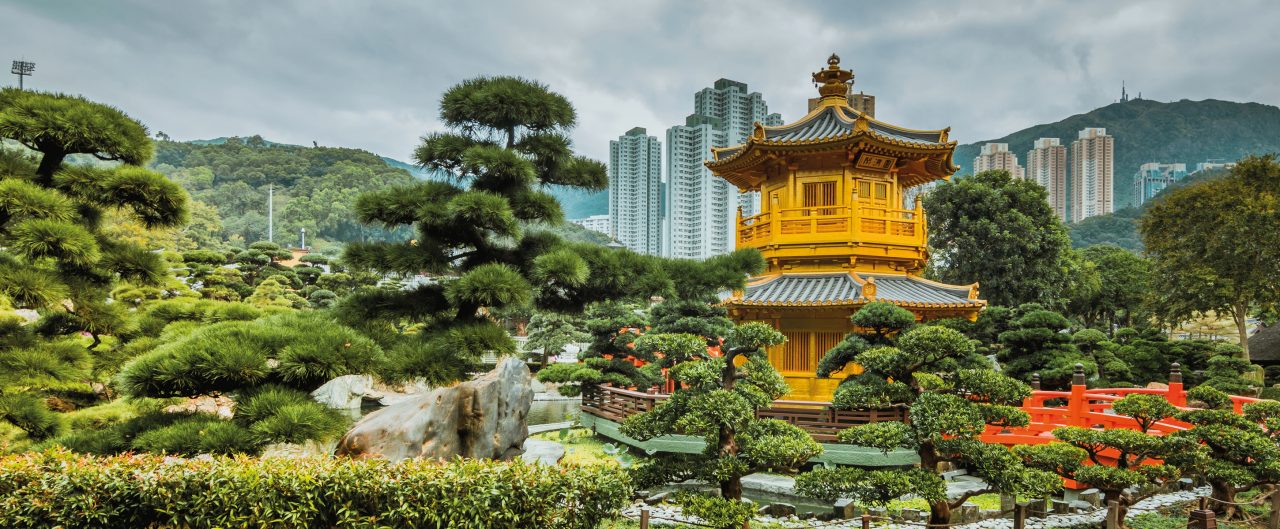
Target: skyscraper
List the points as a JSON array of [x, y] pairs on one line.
[[1153, 177], [1092, 174], [635, 191], [997, 156], [1047, 166], [701, 208]]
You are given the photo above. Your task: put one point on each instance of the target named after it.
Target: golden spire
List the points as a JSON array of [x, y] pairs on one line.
[[833, 83]]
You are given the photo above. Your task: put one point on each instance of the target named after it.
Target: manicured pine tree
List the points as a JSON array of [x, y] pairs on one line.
[[1037, 344], [508, 139], [56, 258], [717, 400], [950, 407], [552, 332], [1138, 456], [1241, 452]]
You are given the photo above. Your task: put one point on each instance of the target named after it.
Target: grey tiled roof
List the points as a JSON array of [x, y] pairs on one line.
[[901, 288], [811, 289], [827, 124], [842, 289]]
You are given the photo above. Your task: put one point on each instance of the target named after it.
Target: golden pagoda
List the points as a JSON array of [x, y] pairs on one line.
[[833, 227]]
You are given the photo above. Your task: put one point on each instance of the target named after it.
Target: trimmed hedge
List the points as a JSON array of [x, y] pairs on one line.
[[60, 489]]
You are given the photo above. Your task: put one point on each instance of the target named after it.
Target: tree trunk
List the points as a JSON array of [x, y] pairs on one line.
[[1225, 494], [730, 489], [49, 164], [1240, 313], [1122, 503], [939, 512]]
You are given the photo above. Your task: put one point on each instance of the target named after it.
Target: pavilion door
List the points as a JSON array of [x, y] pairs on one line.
[[876, 193], [817, 194]]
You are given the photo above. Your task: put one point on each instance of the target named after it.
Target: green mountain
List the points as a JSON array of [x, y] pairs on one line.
[[1151, 131], [313, 188], [1121, 228]]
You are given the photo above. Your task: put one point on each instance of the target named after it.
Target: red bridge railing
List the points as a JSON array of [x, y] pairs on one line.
[[1049, 410]]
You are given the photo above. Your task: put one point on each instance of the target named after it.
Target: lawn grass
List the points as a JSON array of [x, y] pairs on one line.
[[581, 447]]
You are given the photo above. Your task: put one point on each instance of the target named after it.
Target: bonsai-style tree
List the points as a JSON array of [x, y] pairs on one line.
[[508, 137], [717, 400], [54, 256], [1116, 461], [950, 408], [1240, 451], [1036, 344], [876, 323], [552, 332]]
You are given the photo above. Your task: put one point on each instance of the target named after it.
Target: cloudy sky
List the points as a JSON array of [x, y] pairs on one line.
[[368, 74]]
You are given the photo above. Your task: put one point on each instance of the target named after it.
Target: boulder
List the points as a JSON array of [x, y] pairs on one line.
[[543, 452], [347, 392], [220, 405], [484, 418], [1157, 385]]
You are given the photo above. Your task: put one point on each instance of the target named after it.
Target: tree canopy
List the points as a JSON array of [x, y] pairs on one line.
[[1001, 232], [1215, 246]]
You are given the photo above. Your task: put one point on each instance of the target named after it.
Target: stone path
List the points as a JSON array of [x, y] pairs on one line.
[[1051, 521]]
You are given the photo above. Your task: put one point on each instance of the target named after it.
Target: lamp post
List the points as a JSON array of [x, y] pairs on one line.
[[22, 69]]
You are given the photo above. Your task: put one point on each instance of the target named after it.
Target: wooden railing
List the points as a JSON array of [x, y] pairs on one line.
[[862, 221], [819, 419]]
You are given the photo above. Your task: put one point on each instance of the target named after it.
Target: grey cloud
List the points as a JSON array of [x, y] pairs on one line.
[[368, 74]]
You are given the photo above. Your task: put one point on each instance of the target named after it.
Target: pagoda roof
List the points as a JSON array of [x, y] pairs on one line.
[[849, 289], [835, 124]]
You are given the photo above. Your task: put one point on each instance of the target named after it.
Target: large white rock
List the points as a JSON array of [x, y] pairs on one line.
[[484, 418], [347, 392]]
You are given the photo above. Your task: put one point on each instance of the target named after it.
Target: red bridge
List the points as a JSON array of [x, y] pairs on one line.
[[1049, 410]]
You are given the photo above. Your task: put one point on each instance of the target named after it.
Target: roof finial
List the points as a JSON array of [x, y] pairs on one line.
[[833, 82]]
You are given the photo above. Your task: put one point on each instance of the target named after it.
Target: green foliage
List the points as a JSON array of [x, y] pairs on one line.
[[1193, 237], [141, 491], [952, 402], [1036, 344], [716, 512], [1000, 232], [29, 413], [1124, 285], [882, 320], [308, 349]]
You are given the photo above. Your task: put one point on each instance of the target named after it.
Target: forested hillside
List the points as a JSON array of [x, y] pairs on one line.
[[1151, 131], [314, 188], [1121, 228]]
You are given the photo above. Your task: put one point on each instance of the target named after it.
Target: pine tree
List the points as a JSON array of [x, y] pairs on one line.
[[508, 138], [56, 259]]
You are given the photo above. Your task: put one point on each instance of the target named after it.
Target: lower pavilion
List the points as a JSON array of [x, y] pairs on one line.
[[833, 228]]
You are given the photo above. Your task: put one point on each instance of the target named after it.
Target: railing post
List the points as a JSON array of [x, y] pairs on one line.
[[1202, 519], [1077, 406], [1175, 395], [1020, 515], [644, 518], [1273, 521], [1113, 515], [866, 521], [1035, 382]]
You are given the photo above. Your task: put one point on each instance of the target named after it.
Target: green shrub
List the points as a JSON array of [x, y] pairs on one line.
[[714, 511], [29, 413], [183, 437], [265, 401], [296, 423], [59, 489]]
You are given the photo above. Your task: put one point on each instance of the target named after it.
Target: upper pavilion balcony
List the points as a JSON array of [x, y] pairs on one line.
[[862, 222]]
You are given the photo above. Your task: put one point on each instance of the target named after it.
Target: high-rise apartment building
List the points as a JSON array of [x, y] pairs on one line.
[[635, 191], [1092, 174], [1153, 177], [700, 207], [739, 110], [861, 101], [1047, 166], [997, 156], [598, 223]]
